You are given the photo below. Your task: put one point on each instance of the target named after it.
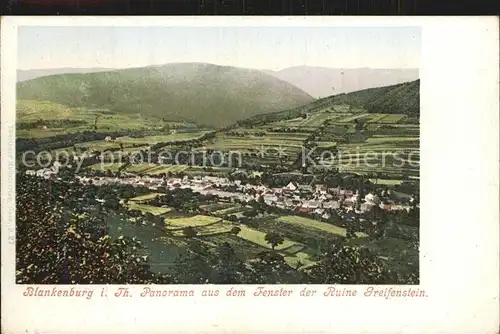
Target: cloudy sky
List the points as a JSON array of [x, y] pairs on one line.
[[253, 47]]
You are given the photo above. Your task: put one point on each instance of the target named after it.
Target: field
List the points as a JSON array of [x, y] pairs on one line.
[[220, 227], [144, 198], [310, 223], [195, 221], [152, 140], [387, 146], [148, 208], [164, 168], [228, 211], [138, 168], [258, 237], [386, 182], [114, 167], [60, 119], [216, 206]]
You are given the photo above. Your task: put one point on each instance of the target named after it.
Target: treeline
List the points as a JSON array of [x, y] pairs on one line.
[[397, 99], [192, 142], [64, 140], [285, 114], [58, 123]]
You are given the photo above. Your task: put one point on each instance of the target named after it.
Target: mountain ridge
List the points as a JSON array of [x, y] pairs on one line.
[[197, 92], [401, 98]]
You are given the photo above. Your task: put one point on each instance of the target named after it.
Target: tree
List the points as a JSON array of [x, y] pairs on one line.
[[274, 239], [251, 213], [95, 122], [235, 230], [350, 232], [68, 248], [189, 232], [191, 206], [345, 264]]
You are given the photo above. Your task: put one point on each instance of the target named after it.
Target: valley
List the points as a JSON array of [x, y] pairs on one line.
[[214, 194]]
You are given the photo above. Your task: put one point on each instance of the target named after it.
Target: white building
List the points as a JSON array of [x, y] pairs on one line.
[[311, 204], [372, 198], [367, 206], [331, 205]]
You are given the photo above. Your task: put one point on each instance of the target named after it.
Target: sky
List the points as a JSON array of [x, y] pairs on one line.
[[271, 48]]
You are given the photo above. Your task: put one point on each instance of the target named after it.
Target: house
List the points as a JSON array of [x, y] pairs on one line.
[[372, 198], [262, 188], [280, 205], [108, 138], [270, 199], [348, 202], [386, 207], [163, 160], [319, 211], [321, 189], [312, 204], [331, 205], [30, 172], [289, 203], [277, 190], [335, 191], [41, 172], [305, 188], [292, 186], [326, 215], [303, 209], [322, 198], [346, 192], [367, 206]]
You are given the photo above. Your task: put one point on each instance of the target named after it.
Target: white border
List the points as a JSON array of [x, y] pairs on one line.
[[459, 204]]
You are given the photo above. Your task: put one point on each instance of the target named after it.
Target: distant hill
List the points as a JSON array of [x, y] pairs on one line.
[[23, 75], [205, 94], [319, 81]]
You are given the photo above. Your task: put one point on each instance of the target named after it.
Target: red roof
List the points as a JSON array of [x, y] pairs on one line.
[[303, 209]]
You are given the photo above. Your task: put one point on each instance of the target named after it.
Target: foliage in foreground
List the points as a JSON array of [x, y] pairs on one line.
[[62, 238]]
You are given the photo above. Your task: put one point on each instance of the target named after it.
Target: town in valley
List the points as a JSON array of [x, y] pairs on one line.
[[196, 173]]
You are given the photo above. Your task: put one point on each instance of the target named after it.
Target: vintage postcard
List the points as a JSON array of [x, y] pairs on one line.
[[201, 175]]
